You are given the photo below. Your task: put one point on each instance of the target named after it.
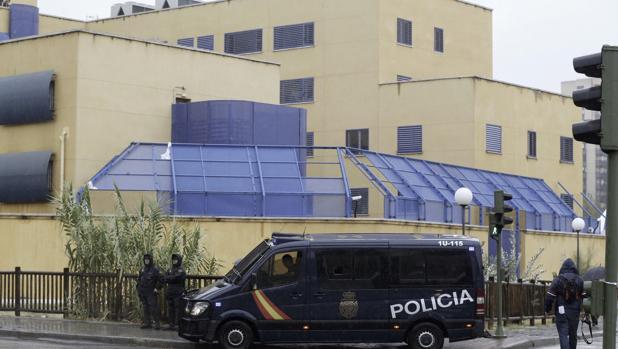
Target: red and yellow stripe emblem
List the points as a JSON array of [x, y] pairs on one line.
[[268, 309]]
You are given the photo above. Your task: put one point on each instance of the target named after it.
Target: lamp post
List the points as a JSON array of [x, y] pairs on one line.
[[578, 224], [463, 198], [355, 200]]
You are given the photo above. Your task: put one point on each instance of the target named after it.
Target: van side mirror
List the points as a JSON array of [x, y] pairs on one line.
[[253, 281]]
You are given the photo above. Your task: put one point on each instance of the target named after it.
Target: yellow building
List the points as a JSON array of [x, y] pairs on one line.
[[112, 90]]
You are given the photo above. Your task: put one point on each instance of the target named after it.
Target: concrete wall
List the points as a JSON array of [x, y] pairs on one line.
[[455, 132], [112, 91], [37, 243]]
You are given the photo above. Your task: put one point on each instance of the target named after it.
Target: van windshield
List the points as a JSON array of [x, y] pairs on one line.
[[241, 267]]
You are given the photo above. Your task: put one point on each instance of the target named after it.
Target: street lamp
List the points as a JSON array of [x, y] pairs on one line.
[[463, 198], [355, 200], [578, 224]]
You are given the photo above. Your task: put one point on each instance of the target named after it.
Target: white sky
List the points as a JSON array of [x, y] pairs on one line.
[[534, 40]]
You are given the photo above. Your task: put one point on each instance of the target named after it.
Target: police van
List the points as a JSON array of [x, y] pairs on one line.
[[344, 288]]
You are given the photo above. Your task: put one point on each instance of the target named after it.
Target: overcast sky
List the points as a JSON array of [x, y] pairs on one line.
[[534, 40]]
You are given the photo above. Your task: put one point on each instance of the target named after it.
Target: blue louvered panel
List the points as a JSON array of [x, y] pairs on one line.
[[188, 42], [310, 143], [206, 42], [438, 40], [296, 91], [493, 138], [362, 205], [410, 139], [404, 31], [248, 41], [566, 149], [293, 36]]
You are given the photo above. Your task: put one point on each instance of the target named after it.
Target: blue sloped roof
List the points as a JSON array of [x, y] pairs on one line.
[[241, 180]]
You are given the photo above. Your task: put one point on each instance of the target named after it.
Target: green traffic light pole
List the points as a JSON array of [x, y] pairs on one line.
[[499, 328], [611, 253]]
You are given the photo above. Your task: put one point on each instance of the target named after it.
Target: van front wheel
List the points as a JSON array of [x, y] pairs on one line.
[[426, 336], [235, 335]]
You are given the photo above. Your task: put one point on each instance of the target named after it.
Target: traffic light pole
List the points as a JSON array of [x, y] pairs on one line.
[[499, 329], [611, 253]]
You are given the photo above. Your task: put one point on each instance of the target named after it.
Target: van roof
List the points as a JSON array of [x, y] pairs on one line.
[[364, 238]]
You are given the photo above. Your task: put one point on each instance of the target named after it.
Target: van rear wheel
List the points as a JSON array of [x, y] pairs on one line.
[[426, 336], [235, 335]]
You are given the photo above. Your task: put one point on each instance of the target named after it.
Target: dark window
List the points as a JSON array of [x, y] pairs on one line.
[[166, 4], [188, 42], [296, 91], [448, 267], [182, 100], [357, 139], [360, 207], [293, 36], [206, 42], [121, 12], [438, 39], [52, 95], [140, 9], [407, 268], [568, 200], [403, 78], [310, 143], [493, 139], [410, 139], [248, 41], [281, 269], [404, 31], [346, 269], [566, 149], [532, 144]]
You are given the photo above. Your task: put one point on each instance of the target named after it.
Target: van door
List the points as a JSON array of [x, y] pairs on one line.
[[280, 296], [348, 299], [431, 283]]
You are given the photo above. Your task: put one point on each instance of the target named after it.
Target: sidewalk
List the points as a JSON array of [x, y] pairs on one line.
[[131, 334]]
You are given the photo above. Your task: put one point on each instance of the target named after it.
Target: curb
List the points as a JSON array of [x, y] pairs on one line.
[[542, 342], [148, 342]]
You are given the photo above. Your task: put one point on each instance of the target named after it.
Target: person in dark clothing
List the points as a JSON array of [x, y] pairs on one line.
[[148, 283], [175, 279], [565, 296]]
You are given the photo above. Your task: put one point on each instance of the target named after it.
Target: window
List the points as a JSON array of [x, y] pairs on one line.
[[248, 41], [403, 78], [188, 42], [310, 143], [296, 91], [410, 139], [281, 269], [532, 144], [206, 42], [294, 36], [357, 139], [180, 100], [407, 268], [360, 207], [566, 149], [166, 4], [567, 199], [345, 269], [444, 267], [404, 31], [438, 39], [493, 139]]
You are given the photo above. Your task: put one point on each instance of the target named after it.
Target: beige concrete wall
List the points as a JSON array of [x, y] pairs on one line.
[[126, 88], [37, 243], [518, 110], [52, 24], [4, 20], [467, 40], [455, 132], [24, 57]]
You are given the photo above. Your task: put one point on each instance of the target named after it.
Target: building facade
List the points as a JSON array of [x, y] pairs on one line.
[[594, 159]]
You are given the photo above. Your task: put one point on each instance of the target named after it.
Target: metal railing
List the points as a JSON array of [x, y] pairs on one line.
[[91, 295], [523, 301]]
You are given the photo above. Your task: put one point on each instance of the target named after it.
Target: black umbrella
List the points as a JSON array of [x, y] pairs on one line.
[[596, 273]]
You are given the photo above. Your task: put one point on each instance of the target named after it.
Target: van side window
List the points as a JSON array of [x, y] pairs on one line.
[[419, 267], [281, 269], [407, 268], [351, 269], [448, 267]]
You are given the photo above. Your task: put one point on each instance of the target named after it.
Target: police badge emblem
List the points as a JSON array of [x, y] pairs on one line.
[[348, 307]]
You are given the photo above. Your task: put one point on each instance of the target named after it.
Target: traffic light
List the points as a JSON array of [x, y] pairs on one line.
[[603, 131], [498, 219]]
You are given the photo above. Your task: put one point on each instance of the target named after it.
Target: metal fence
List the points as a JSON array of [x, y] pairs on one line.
[[92, 295], [523, 301], [111, 295]]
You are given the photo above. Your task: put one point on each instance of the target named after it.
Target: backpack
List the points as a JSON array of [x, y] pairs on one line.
[[570, 289]]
